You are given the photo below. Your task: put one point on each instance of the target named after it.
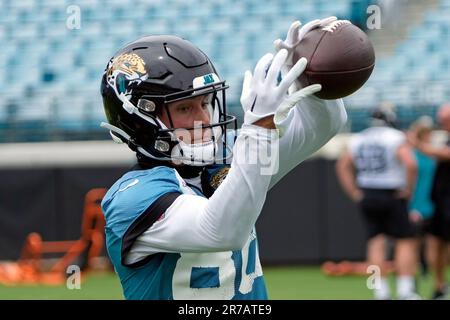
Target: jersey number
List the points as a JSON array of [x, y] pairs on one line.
[[225, 263], [371, 159]]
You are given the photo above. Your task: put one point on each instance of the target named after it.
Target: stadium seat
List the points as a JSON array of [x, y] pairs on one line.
[[233, 33]]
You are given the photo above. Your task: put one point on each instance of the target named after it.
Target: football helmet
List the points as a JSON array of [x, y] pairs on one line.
[[144, 77], [383, 115]]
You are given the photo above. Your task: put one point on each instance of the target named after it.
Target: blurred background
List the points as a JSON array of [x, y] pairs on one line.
[[53, 151]]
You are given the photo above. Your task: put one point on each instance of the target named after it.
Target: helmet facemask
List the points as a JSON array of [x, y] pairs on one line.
[[175, 144], [200, 144]]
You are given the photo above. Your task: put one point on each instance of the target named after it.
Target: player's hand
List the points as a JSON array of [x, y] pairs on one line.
[[412, 138], [295, 34], [415, 217], [405, 194], [357, 195], [262, 95]]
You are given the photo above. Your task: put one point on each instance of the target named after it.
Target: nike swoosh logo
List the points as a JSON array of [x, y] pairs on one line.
[[135, 182]]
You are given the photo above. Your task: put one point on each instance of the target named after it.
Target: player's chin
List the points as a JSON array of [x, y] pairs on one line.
[[202, 141], [198, 141], [203, 136], [195, 136]]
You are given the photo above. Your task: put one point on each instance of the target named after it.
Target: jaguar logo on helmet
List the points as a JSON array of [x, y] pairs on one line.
[[123, 68]]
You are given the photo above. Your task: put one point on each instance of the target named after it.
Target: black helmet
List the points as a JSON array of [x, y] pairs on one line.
[[384, 115], [148, 74]]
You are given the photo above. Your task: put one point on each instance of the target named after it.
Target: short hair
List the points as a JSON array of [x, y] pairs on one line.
[[423, 125]]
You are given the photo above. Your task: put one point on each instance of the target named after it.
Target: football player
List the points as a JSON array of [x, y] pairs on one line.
[[382, 185], [440, 221], [180, 224]]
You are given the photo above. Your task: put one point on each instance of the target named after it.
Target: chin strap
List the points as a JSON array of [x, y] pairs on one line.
[[130, 142], [114, 131], [119, 131]]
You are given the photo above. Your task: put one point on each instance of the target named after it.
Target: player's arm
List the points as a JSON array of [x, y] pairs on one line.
[[439, 153], [311, 124], [224, 221], [345, 171], [406, 157]]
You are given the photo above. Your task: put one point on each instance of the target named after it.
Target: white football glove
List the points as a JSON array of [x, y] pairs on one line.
[[294, 35], [262, 96]]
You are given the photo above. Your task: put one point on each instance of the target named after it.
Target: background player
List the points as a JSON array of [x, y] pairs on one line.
[[440, 224], [421, 206], [385, 177]]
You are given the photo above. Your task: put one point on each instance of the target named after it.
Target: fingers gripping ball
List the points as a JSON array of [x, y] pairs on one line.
[[340, 57]]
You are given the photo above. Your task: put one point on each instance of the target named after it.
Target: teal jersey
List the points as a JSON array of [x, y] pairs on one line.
[[132, 205], [421, 200]]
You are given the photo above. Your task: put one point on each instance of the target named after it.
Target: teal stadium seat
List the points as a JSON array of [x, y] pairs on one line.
[[42, 56]]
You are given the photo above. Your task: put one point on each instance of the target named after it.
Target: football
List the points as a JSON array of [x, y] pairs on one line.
[[340, 57]]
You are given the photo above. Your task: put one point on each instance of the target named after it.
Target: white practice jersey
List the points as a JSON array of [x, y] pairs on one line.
[[374, 153]]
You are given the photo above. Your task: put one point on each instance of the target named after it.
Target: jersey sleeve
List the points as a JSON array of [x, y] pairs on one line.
[[223, 222], [135, 202], [310, 124]]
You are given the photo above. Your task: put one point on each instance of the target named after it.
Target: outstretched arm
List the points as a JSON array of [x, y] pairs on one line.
[[311, 124], [224, 221], [439, 153]]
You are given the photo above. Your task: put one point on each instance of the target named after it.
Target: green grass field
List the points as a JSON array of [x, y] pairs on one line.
[[282, 283]]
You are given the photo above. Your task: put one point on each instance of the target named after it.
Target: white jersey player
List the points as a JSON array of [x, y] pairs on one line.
[[385, 172], [374, 151]]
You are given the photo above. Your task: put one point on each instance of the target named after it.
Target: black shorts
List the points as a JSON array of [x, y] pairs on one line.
[[440, 221], [384, 213], [425, 226]]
